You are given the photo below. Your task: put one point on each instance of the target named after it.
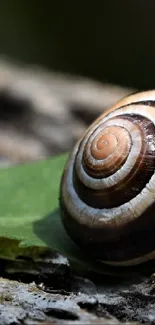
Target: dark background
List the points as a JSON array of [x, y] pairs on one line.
[[110, 41]]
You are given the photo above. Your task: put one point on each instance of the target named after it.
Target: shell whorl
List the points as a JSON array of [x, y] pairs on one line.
[[108, 188]]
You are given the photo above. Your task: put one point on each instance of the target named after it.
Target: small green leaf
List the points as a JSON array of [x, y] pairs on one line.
[[28, 195]]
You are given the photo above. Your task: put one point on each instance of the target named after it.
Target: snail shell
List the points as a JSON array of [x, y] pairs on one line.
[[107, 193]]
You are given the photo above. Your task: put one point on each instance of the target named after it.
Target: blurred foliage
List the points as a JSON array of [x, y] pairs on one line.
[[108, 40]]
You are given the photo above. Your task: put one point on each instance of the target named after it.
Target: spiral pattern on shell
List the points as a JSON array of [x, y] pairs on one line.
[[107, 194]]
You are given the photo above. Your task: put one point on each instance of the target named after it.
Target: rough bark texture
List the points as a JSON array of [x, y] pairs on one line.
[[29, 304]]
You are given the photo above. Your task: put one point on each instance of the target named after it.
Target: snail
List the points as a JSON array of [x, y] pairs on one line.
[[107, 191]]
